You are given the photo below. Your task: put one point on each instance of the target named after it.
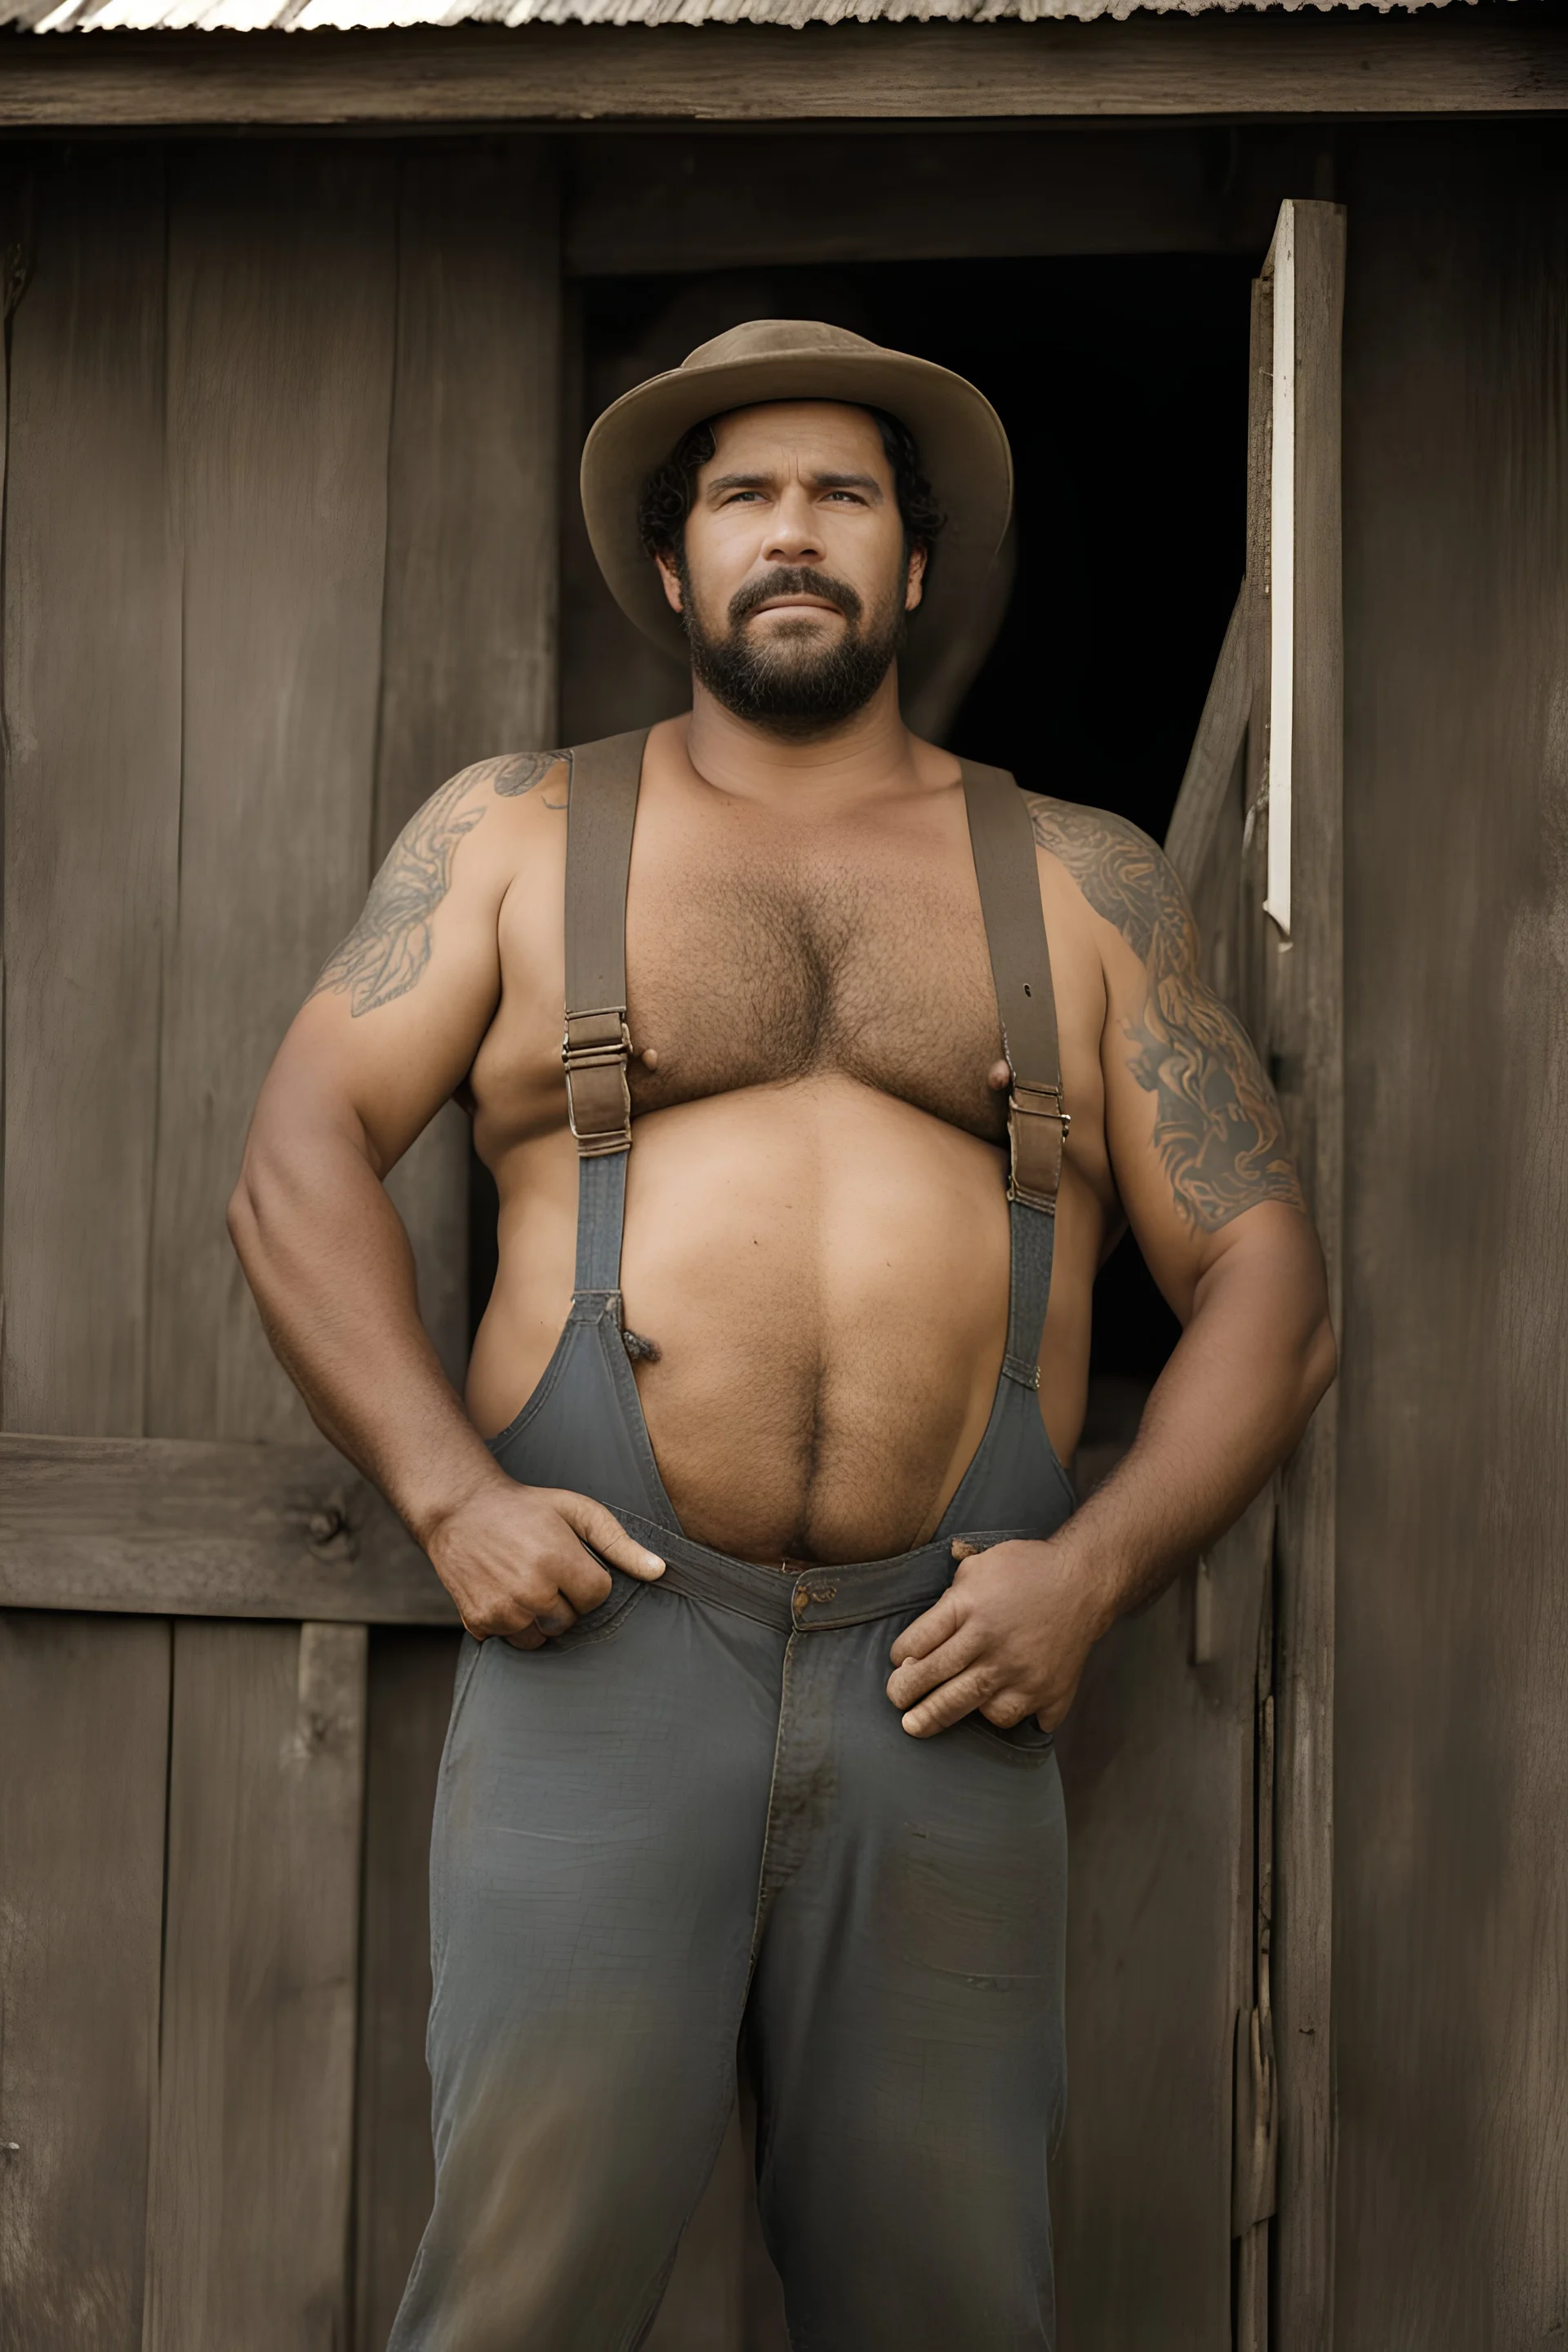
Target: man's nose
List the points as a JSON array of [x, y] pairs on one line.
[[794, 537]]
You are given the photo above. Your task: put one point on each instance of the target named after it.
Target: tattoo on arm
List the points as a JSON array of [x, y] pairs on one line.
[[1217, 1128], [385, 953]]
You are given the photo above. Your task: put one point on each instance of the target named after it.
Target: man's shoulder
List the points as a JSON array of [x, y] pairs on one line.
[[513, 775], [1122, 872]]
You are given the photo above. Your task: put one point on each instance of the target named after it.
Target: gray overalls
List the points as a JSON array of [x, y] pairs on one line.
[[694, 1823]]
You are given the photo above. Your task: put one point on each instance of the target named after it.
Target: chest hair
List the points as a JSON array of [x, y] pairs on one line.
[[752, 976]]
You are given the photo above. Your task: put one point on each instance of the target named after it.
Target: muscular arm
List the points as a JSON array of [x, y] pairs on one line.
[[1198, 1150], [387, 1034]]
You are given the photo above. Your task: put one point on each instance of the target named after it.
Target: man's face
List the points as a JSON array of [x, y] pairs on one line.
[[792, 583]]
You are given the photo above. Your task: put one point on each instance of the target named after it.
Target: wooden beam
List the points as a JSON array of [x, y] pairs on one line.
[[184, 1528], [1225, 64]]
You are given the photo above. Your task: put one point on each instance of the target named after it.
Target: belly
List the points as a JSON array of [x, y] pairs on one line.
[[825, 1272]]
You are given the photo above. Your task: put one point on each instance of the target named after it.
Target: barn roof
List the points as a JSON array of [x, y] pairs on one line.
[[356, 15]]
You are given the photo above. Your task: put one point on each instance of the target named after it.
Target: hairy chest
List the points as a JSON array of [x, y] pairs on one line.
[[748, 968]]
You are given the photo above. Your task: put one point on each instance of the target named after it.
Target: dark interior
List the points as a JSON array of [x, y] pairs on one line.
[[1122, 384]]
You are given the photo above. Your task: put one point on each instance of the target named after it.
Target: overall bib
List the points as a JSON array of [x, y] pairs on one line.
[[694, 1824]]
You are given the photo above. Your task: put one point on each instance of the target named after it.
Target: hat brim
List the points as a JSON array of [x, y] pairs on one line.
[[964, 453]]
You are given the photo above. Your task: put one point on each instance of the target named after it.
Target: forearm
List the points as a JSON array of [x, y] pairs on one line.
[[329, 1261], [1233, 1402]]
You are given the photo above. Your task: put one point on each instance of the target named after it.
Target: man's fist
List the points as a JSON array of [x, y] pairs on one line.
[[1009, 1637], [514, 1558]]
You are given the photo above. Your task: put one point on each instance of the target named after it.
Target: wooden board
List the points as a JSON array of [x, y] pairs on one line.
[[250, 2228], [84, 1715], [281, 300], [469, 626], [1156, 1760], [92, 794], [1305, 1037], [91, 692], [1451, 1736], [408, 1701], [187, 1528], [1342, 62]]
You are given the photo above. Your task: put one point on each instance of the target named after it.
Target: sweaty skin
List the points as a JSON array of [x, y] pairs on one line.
[[816, 1227]]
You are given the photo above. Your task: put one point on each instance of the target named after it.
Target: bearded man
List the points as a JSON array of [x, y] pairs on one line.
[[755, 1512]]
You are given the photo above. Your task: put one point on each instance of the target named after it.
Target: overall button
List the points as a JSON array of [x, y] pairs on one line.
[[811, 1596]]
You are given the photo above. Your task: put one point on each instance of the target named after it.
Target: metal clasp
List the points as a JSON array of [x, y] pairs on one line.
[[592, 1042]]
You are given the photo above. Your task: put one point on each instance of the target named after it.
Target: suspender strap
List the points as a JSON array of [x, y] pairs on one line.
[[601, 811], [1003, 840]]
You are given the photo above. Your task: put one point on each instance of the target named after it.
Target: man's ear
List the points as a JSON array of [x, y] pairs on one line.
[[669, 578], [914, 585]]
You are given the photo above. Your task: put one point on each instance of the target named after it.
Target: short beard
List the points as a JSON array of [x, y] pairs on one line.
[[785, 690]]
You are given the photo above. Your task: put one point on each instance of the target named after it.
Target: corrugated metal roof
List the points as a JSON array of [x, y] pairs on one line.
[[381, 15]]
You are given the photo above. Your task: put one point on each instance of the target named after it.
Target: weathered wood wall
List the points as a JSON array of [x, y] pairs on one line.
[[279, 553], [1451, 1897]]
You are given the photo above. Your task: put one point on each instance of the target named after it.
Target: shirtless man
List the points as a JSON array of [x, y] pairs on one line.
[[775, 1586]]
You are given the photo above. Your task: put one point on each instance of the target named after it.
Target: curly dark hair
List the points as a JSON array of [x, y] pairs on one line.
[[667, 494]]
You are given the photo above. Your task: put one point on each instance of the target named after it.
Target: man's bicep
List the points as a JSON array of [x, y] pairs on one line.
[[1194, 1130], [393, 1022], [1196, 1138]]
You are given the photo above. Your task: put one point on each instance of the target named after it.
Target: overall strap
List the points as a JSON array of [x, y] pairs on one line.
[[1003, 840], [601, 811]]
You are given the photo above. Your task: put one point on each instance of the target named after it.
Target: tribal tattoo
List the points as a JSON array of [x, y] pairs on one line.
[[1216, 1125], [385, 953]]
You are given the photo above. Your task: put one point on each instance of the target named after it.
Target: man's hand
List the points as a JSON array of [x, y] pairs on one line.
[[1009, 1637], [513, 1560]]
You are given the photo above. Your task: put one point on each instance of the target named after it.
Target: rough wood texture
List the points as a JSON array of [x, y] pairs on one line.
[[250, 2228], [469, 637], [184, 1528], [1237, 64], [1156, 1760], [92, 693], [281, 305], [1305, 1035], [283, 298], [682, 201], [1451, 1736], [409, 1698], [84, 1716], [92, 718]]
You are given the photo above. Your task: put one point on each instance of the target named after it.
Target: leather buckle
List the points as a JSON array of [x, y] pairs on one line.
[[1035, 1159], [596, 1051]]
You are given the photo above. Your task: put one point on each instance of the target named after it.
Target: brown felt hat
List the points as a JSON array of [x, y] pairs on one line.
[[964, 454]]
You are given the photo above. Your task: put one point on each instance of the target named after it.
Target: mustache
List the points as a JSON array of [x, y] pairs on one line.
[[786, 581]]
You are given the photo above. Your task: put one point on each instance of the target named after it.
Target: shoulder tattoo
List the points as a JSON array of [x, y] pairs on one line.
[[1217, 1128], [385, 953]]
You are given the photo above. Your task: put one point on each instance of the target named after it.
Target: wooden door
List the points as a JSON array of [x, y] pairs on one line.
[[279, 553], [1197, 1759]]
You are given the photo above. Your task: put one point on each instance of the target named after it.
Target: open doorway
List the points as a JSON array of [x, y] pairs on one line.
[[1122, 382]]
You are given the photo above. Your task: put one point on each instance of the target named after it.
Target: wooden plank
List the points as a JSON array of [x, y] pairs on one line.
[[1202, 804], [84, 1712], [282, 298], [186, 1527], [409, 1698], [1451, 1633], [93, 706], [1339, 62], [282, 294], [1156, 1770], [1306, 1038], [91, 697], [469, 633], [249, 2229], [697, 201]]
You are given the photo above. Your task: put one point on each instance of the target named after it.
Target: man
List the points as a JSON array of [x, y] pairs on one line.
[[755, 1512]]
